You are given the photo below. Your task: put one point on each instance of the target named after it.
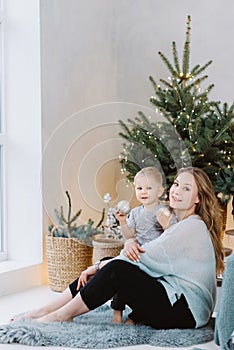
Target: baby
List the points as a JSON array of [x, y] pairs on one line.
[[143, 224]]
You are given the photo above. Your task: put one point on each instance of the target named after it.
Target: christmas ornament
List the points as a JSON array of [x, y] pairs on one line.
[[166, 211], [123, 207]]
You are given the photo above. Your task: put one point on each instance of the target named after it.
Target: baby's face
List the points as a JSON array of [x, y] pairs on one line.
[[147, 189]]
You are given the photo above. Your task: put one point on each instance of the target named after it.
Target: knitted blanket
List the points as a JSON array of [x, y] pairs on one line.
[[224, 325], [95, 330]]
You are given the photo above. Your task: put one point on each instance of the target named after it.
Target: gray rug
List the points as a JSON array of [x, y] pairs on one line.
[[95, 330]]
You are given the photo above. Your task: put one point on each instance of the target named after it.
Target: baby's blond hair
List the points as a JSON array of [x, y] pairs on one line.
[[152, 171]]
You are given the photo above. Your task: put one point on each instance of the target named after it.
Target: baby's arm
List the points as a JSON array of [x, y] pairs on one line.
[[132, 249], [127, 232]]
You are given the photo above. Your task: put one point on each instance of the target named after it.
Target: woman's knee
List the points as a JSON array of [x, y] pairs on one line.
[[73, 288], [117, 263]]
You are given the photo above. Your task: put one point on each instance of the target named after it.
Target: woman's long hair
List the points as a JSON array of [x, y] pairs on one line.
[[209, 210]]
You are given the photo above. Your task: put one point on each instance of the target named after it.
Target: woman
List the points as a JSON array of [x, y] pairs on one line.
[[173, 283]]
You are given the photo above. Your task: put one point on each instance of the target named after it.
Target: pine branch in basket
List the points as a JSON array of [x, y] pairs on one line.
[[67, 227]]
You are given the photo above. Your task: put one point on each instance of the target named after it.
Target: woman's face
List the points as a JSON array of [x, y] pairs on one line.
[[184, 192]]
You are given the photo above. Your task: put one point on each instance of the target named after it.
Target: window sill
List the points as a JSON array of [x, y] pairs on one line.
[[11, 265], [16, 276]]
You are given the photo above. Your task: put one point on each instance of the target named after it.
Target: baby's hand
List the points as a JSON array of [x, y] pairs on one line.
[[121, 217], [164, 216], [122, 210]]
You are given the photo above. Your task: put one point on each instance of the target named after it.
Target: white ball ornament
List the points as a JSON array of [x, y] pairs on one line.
[[123, 207], [166, 211]]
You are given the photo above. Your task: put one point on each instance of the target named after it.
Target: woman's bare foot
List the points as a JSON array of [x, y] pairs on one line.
[[129, 321], [54, 317], [117, 317], [34, 314], [50, 308]]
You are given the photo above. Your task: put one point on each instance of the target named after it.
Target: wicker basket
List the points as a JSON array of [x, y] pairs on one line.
[[66, 258], [104, 247]]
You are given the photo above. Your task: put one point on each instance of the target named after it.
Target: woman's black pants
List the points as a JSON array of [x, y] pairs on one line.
[[142, 293]]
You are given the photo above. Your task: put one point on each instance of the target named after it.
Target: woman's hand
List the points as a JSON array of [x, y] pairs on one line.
[[132, 250], [85, 276]]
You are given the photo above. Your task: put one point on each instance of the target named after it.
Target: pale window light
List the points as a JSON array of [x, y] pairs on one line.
[[2, 144]]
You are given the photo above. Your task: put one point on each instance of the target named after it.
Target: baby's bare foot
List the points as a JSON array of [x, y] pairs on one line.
[[129, 321], [117, 317]]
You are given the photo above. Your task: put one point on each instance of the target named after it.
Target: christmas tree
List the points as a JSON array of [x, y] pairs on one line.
[[191, 130]]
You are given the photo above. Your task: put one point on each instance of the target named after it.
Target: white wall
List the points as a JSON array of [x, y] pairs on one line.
[[96, 60]]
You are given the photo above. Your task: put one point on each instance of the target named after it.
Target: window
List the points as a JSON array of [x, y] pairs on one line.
[[2, 245], [20, 143], [2, 138], [2, 250], [20, 136]]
